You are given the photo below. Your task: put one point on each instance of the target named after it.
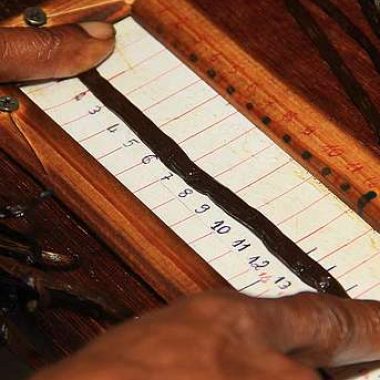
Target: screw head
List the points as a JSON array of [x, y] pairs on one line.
[[8, 104], [35, 16], [4, 334]]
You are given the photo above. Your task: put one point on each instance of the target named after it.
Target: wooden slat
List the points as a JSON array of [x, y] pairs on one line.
[[64, 12]]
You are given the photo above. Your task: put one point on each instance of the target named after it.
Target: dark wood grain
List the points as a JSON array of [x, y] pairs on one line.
[[259, 29], [58, 230], [10, 8]]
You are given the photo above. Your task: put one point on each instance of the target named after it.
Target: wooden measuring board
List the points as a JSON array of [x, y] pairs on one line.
[[306, 113], [284, 84], [232, 150]]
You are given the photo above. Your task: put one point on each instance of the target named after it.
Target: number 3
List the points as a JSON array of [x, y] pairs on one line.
[[202, 209]]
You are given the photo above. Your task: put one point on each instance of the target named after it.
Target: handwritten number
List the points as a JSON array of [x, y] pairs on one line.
[[95, 110], [80, 96], [283, 283], [221, 228], [148, 159], [185, 193], [113, 128], [167, 177], [130, 143], [202, 209], [241, 245], [256, 263]]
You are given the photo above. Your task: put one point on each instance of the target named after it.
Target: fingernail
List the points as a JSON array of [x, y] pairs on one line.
[[98, 30]]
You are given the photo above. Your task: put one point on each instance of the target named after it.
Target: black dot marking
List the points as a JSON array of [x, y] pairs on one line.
[[365, 199], [326, 171], [193, 57], [266, 120], [287, 139], [211, 73], [230, 89], [345, 186], [306, 155], [249, 106]]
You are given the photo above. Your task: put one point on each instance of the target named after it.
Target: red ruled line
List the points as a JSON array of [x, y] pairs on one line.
[[208, 127], [346, 244], [226, 144], [359, 265], [200, 238], [75, 120], [128, 169], [109, 153], [182, 220], [65, 102], [262, 293], [163, 204], [239, 274], [303, 210], [158, 102], [189, 111], [42, 88], [158, 76], [285, 193], [368, 290], [220, 256], [243, 161], [322, 227], [137, 64], [91, 136], [129, 44], [264, 176], [146, 186]]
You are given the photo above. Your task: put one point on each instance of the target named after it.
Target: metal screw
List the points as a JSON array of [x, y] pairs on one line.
[[4, 334], [35, 16], [8, 104]]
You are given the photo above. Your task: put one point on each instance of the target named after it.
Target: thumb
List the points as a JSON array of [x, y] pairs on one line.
[[56, 52], [323, 330]]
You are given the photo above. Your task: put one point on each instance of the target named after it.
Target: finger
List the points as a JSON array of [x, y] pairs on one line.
[[276, 366], [57, 52], [321, 330]]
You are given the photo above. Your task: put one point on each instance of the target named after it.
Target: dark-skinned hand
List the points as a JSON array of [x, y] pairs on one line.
[[228, 336]]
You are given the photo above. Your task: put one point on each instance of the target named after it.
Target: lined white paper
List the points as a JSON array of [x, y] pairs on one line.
[[230, 148]]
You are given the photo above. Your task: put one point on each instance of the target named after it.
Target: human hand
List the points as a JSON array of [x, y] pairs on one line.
[[57, 52], [230, 336]]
